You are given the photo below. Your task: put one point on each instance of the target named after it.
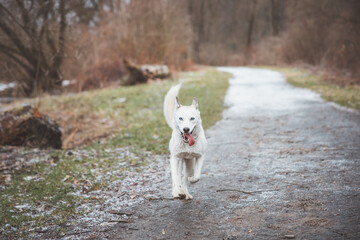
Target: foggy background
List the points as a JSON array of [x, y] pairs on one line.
[[46, 42]]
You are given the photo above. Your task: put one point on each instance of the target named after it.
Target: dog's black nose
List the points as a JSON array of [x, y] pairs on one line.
[[186, 130]]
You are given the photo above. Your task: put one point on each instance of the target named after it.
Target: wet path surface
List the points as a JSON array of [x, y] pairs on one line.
[[282, 164], [290, 159]]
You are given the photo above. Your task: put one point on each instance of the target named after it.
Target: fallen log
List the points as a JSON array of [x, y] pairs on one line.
[[30, 128], [135, 74], [141, 74], [155, 71]]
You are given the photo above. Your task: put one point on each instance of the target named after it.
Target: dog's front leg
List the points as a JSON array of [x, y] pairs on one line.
[[176, 169], [189, 171], [197, 170]]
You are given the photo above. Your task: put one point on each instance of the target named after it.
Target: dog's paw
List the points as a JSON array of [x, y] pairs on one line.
[[188, 196], [178, 194], [181, 195], [193, 179]]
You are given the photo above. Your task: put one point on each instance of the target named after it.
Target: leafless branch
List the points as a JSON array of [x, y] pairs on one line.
[[246, 192]]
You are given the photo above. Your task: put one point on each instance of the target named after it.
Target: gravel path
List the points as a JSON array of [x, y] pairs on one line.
[[282, 164]]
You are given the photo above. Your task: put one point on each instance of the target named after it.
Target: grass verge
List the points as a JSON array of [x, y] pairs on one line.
[[347, 96], [145, 127], [43, 194]]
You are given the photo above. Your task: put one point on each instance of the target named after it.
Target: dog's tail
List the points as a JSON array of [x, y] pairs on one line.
[[170, 104]]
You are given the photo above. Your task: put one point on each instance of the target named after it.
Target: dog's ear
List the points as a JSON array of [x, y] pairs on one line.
[[195, 103], [178, 105]]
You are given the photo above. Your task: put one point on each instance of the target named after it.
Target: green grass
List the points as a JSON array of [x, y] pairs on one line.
[[146, 128], [348, 96], [142, 128], [50, 191]]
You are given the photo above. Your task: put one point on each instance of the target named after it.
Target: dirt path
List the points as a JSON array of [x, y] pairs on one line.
[[281, 164]]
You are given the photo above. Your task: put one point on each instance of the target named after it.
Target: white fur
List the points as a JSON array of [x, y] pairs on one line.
[[181, 153]]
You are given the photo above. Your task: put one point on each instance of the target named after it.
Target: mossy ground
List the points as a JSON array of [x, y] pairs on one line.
[[47, 188]]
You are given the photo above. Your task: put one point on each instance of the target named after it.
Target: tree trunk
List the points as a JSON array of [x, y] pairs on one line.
[[196, 10], [29, 33], [251, 24], [274, 17]]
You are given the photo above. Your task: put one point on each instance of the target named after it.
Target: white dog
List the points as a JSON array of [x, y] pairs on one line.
[[187, 144]]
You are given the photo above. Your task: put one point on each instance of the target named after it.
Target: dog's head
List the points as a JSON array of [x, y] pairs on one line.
[[187, 117]]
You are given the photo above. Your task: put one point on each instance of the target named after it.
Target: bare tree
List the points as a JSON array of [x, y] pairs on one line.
[[34, 37], [251, 21], [324, 33], [276, 10]]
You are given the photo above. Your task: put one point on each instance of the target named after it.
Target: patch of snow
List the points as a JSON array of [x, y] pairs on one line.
[[65, 83], [28, 178], [124, 192], [120, 100], [23, 207], [4, 86], [36, 160], [11, 228], [128, 189]]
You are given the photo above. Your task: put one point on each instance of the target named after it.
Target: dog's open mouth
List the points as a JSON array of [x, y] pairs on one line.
[[188, 139]]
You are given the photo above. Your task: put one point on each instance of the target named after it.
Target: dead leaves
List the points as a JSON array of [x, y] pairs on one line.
[[65, 178], [5, 178]]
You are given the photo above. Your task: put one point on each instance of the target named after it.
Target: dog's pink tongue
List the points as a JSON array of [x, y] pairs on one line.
[[191, 139]]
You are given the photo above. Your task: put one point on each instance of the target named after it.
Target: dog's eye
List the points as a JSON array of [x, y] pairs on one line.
[[180, 118], [192, 119]]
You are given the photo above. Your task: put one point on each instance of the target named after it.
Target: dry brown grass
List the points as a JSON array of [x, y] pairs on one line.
[[100, 75], [91, 116], [80, 124]]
